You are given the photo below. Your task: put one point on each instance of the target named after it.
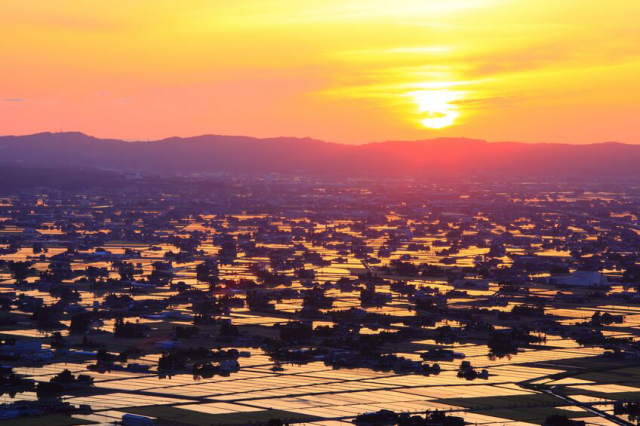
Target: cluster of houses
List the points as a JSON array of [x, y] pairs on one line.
[[171, 271]]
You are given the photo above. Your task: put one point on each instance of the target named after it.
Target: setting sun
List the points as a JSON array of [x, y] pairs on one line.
[[340, 70], [320, 212], [436, 107]]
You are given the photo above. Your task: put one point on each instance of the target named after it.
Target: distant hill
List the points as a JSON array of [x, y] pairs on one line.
[[240, 154]]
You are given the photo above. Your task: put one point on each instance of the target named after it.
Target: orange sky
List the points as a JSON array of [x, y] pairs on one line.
[[339, 70]]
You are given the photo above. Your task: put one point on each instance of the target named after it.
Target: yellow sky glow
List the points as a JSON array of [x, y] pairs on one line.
[[341, 70]]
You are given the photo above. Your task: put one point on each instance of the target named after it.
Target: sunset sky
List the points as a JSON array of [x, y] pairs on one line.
[[338, 70]]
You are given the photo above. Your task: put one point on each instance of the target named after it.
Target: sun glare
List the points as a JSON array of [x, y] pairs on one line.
[[436, 107]]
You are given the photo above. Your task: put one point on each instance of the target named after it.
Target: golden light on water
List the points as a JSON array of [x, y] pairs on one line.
[[436, 108]]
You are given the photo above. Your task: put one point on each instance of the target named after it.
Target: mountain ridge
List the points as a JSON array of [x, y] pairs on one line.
[[245, 154]]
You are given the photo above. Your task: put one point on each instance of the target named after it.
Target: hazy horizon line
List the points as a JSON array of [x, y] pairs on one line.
[[151, 140]]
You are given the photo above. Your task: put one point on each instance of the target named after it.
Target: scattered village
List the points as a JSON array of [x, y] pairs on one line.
[[279, 300]]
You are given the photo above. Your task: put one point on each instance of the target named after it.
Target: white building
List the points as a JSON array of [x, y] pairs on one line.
[[580, 279]]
